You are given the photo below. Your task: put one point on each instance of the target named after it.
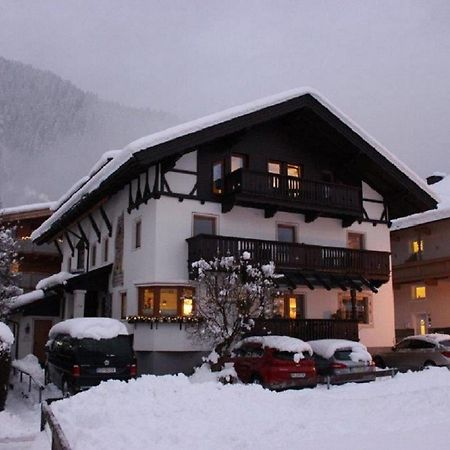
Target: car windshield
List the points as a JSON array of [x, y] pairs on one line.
[[288, 356], [343, 354], [118, 346]]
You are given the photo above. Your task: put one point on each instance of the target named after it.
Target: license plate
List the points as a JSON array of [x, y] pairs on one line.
[[298, 375], [106, 370]]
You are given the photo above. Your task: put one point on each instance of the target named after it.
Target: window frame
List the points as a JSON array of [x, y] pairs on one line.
[[218, 190], [181, 289], [93, 255], [137, 234], [81, 256], [209, 217], [105, 249], [360, 296], [291, 226], [362, 237], [244, 159], [123, 304], [415, 288]]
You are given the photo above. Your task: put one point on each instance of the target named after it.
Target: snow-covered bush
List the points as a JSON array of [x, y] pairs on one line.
[[8, 276], [231, 293], [6, 340]]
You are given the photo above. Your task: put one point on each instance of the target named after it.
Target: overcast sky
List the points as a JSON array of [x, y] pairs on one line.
[[386, 64]]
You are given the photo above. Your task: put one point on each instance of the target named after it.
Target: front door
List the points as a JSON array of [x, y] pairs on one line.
[[41, 329], [421, 323]]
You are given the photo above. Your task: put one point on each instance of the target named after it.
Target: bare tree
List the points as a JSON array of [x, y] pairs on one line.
[[8, 275], [231, 294]]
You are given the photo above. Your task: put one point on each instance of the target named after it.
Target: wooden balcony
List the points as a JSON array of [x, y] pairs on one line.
[[329, 266], [307, 329], [422, 270], [273, 192]]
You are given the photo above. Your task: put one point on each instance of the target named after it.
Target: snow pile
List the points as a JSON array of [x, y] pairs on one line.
[[54, 280], [26, 299], [327, 347], [203, 374], [281, 343], [6, 337], [407, 412], [30, 364], [89, 327]]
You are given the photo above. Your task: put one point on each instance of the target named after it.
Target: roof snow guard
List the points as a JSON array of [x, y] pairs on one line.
[[412, 193]]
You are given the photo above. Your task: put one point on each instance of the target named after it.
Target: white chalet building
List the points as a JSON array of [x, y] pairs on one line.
[[287, 178]]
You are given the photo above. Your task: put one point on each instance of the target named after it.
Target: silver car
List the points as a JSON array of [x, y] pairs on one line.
[[417, 352]]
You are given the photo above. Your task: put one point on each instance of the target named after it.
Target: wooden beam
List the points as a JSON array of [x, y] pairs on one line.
[[130, 198], [348, 221], [106, 220], [72, 248], [95, 228], [311, 216], [58, 247], [83, 235], [139, 200], [78, 236], [369, 285], [338, 283], [306, 281], [147, 193], [270, 211], [322, 281]]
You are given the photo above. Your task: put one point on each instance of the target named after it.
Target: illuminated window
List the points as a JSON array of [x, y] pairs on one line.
[[292, 308], [217, 173], [166, 301], [294, 170], [417, 246], [419, 292], [237, 162], [289, 306], [274, 167]]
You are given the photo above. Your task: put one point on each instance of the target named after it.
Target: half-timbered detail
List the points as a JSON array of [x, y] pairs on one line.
[[288, 179]]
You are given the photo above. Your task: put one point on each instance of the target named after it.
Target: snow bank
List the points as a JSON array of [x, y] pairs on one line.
[[407, 412], [26, 299], [89, 327], [281, 343], [326, 348], [54, 280], [6, 337]]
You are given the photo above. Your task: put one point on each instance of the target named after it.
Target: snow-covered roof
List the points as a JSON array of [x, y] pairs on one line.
[[54, 280], [26, 208], [6, 336], [433, 337], [442, 191], [82, 190], [327, 347], [281, 343], [26, 299], [89, 327]]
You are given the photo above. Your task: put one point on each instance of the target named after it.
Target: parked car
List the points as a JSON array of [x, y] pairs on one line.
[[83, 352], [417, 352], [275, 362], [346, 361]]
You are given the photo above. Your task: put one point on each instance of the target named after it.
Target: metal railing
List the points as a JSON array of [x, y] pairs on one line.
[[59, 440], [31, 379]]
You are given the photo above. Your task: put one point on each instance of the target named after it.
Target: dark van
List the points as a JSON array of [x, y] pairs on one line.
[[75, 364]]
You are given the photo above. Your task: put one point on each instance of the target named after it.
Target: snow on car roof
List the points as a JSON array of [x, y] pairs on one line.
[[89, 327], [432, 337], [6, 336], [281, 343], [327, 347]]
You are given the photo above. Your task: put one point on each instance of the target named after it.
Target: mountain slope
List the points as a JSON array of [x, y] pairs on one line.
[[51, 132]]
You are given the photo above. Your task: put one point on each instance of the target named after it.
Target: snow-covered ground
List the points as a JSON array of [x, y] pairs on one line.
[[410, 411]]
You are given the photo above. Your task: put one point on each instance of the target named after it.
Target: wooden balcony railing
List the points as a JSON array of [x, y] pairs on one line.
[[307, 329], [372, 265], [293, 193]]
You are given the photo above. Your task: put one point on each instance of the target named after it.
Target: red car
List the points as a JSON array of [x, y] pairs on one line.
[[275, 362]]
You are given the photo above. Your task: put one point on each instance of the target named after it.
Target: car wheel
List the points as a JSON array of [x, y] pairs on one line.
[[429, 364], [379, 362]]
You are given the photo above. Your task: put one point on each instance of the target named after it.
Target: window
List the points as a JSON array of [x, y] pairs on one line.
[[274, 167], [137, 233], [217, 186], [105, 249], [289, 306], [123, 305], [419, 292], [166, 301], [204, 225], [294, 170], [81, 253], [363, 308], [286, 233], [416, 249], [93, 255], [238, 162], [355, 241]]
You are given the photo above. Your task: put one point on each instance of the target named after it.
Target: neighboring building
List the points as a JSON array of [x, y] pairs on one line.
[[32, 322], [421, 266], [288, 179]]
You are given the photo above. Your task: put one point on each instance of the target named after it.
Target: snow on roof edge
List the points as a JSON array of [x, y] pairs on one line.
[[214, 119], [420, 218], [27, 208]]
